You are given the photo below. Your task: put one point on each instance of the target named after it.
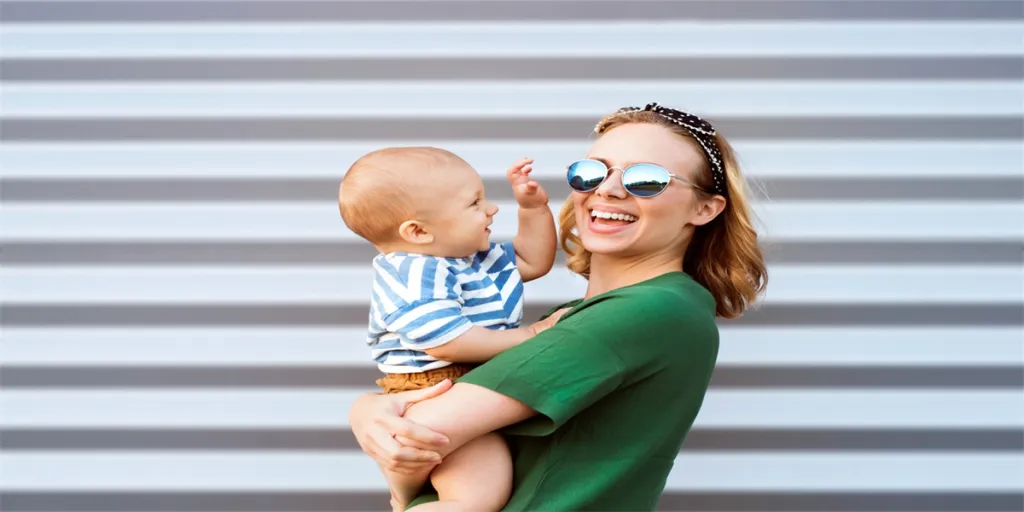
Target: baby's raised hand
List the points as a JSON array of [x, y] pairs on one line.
[[528, 193]]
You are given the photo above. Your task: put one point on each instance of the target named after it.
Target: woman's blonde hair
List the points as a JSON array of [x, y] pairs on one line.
[[724, 255]]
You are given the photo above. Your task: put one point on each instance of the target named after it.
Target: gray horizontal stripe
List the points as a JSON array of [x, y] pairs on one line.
[[332, 129], [500, 68], [326, 314], [435, 10], [228, 501], [360, 253], [757, 377], [26, 439], [258, 189]]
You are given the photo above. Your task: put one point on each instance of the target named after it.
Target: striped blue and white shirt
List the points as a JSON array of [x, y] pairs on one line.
[[422, 302]]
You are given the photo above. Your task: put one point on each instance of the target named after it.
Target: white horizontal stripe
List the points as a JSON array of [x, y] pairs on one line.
[[487, 99], [514, 39], [320, 221], [344, 346], [355, 471], [352, 285], [301, 160], [178, 409], [329, 409]]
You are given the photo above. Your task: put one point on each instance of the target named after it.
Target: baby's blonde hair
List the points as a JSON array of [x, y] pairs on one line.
[[724, 255], [377, 193]]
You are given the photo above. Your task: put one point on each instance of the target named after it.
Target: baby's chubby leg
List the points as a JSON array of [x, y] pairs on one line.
[[475, 478]]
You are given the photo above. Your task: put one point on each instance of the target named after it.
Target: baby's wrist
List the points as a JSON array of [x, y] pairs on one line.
[[538, 207]]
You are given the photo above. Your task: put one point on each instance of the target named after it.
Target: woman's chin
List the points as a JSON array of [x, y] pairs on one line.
[[601, 239], [604, 245]]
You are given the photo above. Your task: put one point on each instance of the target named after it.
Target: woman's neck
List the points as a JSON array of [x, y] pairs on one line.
[[610, 273]]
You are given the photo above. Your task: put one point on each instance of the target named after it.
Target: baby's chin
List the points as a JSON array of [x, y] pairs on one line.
[[467, 252]]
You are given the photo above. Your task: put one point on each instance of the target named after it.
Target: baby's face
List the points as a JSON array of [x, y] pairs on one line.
[[458, 213]]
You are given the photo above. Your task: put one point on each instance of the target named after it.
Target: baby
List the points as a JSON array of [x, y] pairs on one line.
[[445, 297]]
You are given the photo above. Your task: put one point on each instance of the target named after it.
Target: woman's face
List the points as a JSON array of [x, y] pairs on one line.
[[664, 223]]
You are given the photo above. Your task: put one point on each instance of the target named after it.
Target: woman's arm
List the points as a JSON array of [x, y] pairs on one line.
[[396, 443], [402, 445], [407, 433], [463, 413], [466, 412]]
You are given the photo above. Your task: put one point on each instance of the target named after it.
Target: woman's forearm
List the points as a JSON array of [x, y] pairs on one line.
[[396, 443], [466, 412]]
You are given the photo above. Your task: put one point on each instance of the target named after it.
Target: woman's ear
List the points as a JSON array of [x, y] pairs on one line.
[[708, 209], [414, 232]]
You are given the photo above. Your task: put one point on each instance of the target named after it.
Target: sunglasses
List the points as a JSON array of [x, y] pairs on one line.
[[640, 180]]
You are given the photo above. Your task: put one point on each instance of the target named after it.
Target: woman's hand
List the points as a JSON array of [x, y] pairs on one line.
[[396, 443]]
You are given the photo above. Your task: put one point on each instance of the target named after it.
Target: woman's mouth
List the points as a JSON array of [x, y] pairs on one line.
[[605, 222], [605, 217]]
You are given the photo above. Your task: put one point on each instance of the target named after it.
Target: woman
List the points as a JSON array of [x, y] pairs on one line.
[[596, 407]]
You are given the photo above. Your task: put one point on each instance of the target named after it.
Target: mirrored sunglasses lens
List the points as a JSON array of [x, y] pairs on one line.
[[645, 180], [586, 175]]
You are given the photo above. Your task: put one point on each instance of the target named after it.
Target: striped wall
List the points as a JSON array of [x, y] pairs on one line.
[[183, 309]]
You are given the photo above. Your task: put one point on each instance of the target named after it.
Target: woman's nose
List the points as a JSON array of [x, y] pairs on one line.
[[612, 186]]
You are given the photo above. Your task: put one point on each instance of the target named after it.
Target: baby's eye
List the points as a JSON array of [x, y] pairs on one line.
[[477, 202]]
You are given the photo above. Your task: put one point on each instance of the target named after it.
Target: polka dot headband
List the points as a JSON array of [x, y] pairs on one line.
[[700, 130]]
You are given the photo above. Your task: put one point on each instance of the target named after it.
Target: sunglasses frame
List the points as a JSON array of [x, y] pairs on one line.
[[622, 177]]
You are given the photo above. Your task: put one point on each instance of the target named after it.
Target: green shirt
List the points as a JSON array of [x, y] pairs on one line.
[[618, 382]]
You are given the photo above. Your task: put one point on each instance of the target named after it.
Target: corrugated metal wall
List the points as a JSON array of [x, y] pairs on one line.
[[184, 310]]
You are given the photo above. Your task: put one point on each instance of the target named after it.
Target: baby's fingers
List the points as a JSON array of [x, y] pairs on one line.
[[521, 165]]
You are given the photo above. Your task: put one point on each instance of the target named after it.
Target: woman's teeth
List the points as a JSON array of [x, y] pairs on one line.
[[612, 216]]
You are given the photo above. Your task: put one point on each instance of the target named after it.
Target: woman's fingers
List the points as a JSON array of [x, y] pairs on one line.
[[412, 443], [416, 433], [376, 422], [393, 456]]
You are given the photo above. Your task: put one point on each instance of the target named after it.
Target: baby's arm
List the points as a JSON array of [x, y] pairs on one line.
[[536, 240], [479, 344], [427, 312]]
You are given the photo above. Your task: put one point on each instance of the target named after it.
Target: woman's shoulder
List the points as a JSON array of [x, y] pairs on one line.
[[565, 305], [668, 301], [663, 319], [667, 292]]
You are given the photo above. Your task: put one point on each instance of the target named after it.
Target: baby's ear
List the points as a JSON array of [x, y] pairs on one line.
[[414, 232]]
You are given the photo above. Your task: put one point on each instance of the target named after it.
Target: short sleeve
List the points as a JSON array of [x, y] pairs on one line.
[[424, 298], [510, 251], [498, 255], [595, 349]]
